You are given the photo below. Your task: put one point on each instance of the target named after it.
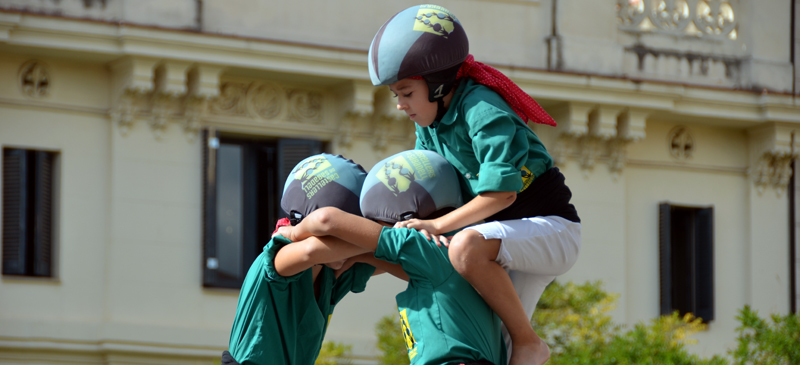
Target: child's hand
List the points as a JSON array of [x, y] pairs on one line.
[[285, 231], [427, 226]]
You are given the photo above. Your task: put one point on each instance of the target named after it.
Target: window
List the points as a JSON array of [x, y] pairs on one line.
[[687, 260], [242, 185], [27, 212]]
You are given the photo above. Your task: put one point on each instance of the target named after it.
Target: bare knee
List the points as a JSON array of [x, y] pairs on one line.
[[469, 251]]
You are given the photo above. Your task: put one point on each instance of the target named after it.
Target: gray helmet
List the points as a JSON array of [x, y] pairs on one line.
[[423, 40], [410, 184]]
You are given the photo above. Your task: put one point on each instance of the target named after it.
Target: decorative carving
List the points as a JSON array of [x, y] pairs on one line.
[[596, 133], [670, 15], [700, 18], [195, 108], [715, 17], [34, 79], [380, 132], [587, 153], [231, 100], [265, 100], [268, 101], [630, 12], [160, 114], [773, 149], [122, 114], [617, 157], [305, 106], [773, 169], [348, 125], [680, 143]]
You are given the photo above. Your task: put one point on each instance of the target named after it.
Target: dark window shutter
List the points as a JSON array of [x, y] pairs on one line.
[[14, 211], [43, 202], [704, 264], [209, 144], [665, 262], [291, 152]]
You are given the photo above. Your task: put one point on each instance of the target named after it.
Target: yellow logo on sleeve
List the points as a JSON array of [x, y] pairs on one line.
[[527, 178], [407, 335]]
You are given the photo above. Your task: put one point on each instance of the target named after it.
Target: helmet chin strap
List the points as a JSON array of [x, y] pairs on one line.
[[440, 110]]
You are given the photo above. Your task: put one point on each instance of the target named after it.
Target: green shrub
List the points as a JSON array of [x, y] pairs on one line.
[[574, 321], [763, 343], [391, 342], [333, 353]]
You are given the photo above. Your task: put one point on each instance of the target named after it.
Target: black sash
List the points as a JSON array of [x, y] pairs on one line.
[[547, 195]]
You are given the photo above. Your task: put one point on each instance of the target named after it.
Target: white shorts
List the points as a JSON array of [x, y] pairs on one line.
[[533, 251]]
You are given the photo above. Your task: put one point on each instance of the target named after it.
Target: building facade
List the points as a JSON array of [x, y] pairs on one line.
[[121, 123]]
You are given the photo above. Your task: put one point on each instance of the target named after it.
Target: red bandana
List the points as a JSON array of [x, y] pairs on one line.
[[521, 102], [281, 223]]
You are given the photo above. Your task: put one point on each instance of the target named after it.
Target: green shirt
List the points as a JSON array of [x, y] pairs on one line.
[[444, 319], [278, 319], [485, 140]]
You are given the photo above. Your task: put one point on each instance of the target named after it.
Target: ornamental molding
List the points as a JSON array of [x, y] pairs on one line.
[[680, 143], [34, 79], [773, 148], [590, 133], [370, 115], [713, 19], [168, 94], [267, 101]]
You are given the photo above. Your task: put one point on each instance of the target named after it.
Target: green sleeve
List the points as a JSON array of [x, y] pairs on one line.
[[421, 259], [270, 250], [353, 280], [500, 147]]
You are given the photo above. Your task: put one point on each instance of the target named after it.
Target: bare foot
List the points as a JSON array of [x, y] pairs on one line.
[[533, 353]]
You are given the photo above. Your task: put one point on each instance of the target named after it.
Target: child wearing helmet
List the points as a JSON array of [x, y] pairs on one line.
[[476, 118], [444, 320], [280, 319]]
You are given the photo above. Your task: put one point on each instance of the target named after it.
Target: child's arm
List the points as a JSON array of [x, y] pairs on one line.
[[481, 207], [299, 256], [326, 235], [380, 266], [330, 221]]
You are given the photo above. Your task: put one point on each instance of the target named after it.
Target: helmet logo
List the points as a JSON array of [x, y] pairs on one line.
[[397, 176], [438, 22], [314, 174], [400, 172], [310, 167]]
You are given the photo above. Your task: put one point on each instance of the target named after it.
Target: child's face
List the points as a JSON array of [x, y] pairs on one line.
[[412, 98]]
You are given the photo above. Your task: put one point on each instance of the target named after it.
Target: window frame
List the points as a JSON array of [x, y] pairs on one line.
[[39, 260], [281, 154], [686, 241]]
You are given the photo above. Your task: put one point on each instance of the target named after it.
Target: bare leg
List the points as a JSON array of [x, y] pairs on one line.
[[474, 258]]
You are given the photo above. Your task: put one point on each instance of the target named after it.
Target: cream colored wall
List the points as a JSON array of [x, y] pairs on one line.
[[129, 262], [714, 176], [71, 305]]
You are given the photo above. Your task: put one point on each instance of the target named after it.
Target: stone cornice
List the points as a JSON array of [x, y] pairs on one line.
[[111, 41]]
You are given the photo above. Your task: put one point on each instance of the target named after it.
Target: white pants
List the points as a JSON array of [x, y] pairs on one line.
[[533, 251]]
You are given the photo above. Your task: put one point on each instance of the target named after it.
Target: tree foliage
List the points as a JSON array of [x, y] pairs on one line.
[[390, 341], [764, 343], [334, 353], [574, 321]]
